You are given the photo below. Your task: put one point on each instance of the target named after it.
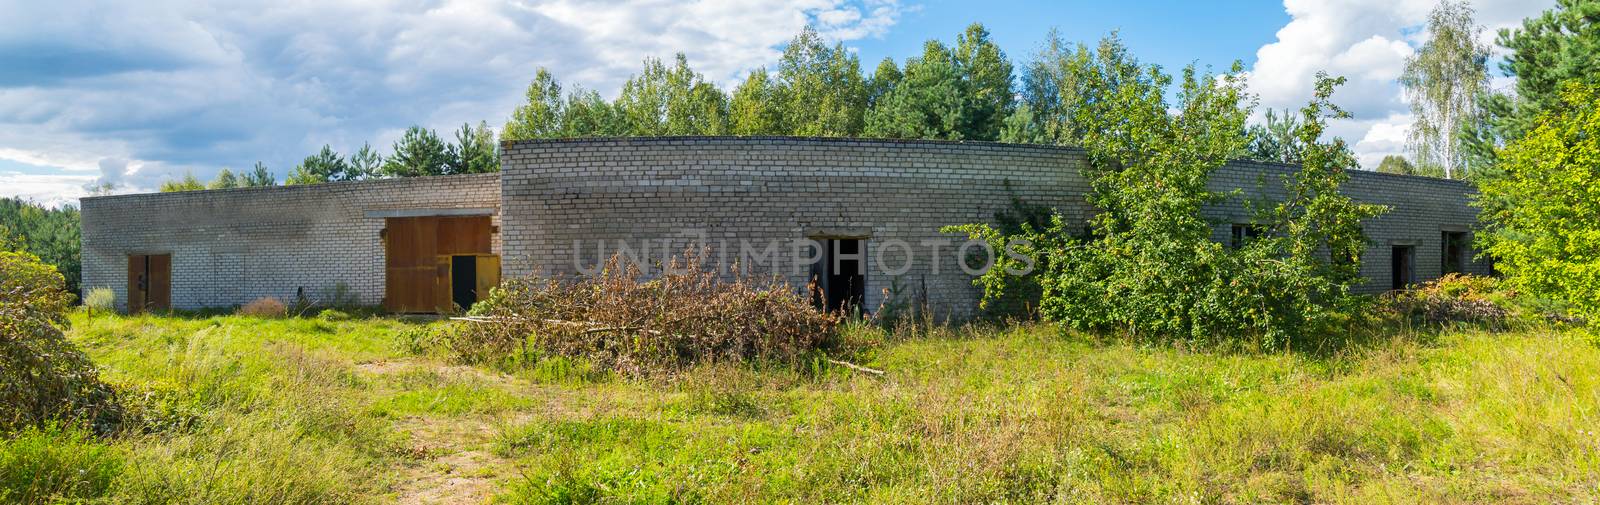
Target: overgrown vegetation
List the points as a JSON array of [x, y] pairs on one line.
[[50, 234], [43, 377], [623, 321], [1544, 210], [1149, 265], [236, 409]]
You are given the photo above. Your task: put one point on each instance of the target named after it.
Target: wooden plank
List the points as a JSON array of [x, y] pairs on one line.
[[417, 254], [136, 283], [488, 275], [159, 294]]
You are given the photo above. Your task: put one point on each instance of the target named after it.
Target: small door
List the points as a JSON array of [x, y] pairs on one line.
[[488, 275], [149, 282]]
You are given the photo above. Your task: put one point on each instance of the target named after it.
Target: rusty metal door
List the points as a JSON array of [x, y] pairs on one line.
[[417, 254], [149, 282]]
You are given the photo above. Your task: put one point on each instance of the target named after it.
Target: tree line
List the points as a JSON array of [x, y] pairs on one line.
[[52, 234], [419, 152]]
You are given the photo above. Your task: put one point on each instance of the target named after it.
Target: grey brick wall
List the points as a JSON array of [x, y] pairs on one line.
[[563, 205], [563, 198], [232, 246]]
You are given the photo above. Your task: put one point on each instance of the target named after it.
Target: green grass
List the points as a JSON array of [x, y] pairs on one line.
[[243, 410]]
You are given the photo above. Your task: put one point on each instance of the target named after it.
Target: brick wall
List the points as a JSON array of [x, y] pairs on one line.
[[565, 199], [232, 246]]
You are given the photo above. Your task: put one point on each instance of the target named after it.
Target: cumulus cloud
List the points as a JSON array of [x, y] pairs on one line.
[[161, 88], [1367, 42]]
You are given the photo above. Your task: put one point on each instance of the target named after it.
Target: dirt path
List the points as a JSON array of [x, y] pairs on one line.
[[450, 458]]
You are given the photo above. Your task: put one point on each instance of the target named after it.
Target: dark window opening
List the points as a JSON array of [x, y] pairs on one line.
[[840, 275], [463, 281], [1454, 245], [1402, 266], [1242, 234]]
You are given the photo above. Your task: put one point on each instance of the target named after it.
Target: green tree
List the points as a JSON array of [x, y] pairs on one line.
[[366, 163], [475, 151], [1149, 266], [541, 116], [1546, 240], [821, 88], [963, 92], [883, 80], [52, 234], [986, 73], [927, 103], [1056, 85], [259, 176], [186, 183], [1443, 81], [1396, 164], [756, 107], [324, 166], [225, 180], [419, 152], [1275, 139], [589, 115], [671, 101], [1559, 45]]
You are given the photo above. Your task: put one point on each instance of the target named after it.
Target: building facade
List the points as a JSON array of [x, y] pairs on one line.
[[858, 218]]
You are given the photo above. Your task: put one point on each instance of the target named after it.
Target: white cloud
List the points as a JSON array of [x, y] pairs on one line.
[[1366, 41], [167, 87], [49, 190]]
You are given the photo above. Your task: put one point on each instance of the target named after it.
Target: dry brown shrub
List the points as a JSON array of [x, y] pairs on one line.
[[1453, 298], [621, 320], [264, 307]]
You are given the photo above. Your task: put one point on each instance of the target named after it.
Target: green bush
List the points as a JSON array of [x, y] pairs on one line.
[[44, 377], [1149, 266], [1543, 211]]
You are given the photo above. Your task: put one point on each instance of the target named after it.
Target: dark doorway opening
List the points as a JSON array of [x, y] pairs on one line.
[[463, 281], [1454, 246], [1402, 266], [840, 275]]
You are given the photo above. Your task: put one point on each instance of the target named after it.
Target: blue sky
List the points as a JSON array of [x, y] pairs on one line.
[[137, 92]]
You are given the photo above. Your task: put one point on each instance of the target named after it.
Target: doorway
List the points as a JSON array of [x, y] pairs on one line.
[[840, 275], [1454, 245], [149, 282], [1402, 266], [463, 281]]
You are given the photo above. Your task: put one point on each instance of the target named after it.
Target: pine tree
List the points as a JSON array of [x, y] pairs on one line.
[[225, 180], [419, 152]]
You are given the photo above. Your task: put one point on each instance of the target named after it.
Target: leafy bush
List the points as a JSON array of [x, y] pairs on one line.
[[100, 299], [1149, 266], [264, 307], [1543, 211], [43, 376], [622, 321]]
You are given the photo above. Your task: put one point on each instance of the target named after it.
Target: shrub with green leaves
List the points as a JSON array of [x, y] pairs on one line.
[[43, 376], [1149, 266], [1543, 212]]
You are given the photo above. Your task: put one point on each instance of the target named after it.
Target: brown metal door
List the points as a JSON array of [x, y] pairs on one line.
[[159, 296], [137, 282], [149, 282], [417, 253]]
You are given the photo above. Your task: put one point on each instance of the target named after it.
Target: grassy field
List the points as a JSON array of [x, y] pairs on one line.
[[244, 410]]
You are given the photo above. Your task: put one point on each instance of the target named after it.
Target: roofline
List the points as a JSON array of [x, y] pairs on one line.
[[891, 141], [292, 187]]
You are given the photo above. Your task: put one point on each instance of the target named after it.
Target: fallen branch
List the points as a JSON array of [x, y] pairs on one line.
[[856, 367]]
